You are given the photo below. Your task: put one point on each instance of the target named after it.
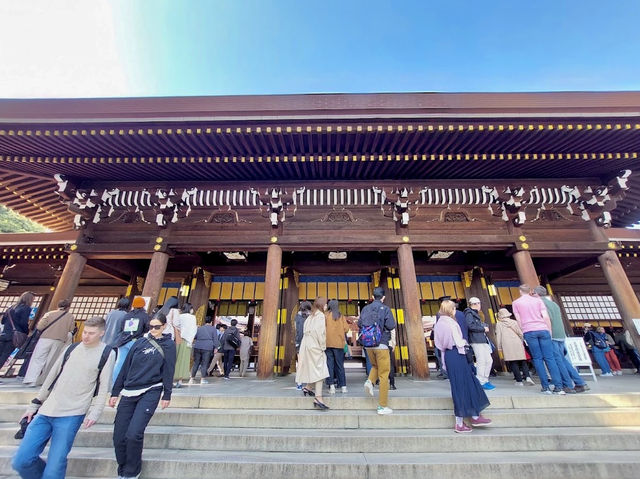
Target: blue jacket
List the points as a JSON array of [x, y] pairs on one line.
[[378, 312], [20, 315], [144, 366], [206, 338]]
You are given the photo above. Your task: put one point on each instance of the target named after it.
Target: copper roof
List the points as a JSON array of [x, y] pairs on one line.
[[324, 137]]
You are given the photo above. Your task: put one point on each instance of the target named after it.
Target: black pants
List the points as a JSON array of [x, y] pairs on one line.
[[201, 359], [392, 368], [228, 361], [6, 348], [134, 413], [515, 369]]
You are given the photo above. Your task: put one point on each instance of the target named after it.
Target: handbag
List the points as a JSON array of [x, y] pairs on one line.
[[468, 352], [18, 338]]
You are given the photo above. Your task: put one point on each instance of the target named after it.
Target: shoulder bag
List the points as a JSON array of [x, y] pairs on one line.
[[19, 338]]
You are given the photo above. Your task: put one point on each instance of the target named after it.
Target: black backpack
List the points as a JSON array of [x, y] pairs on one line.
[[103, 360]]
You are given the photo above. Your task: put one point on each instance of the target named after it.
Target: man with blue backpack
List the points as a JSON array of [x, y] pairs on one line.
[[376, 323]]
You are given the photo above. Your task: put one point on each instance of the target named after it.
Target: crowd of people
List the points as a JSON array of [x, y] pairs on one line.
[[137, 359]]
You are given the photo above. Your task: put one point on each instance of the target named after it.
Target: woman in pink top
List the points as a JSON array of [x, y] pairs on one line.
[[469, 399]]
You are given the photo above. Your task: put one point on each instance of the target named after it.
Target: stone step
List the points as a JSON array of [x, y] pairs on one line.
[[189, 464], [490, 439], [368, 419], [295, 401]]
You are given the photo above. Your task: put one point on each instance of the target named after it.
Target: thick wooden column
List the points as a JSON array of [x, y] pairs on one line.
[[287, 320], [412, 314], [525, 268], [269, 325], [622, 292], [155, 277], [70, 278]]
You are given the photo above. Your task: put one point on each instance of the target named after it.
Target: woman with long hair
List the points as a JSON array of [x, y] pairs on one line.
[[16, 318], [185, 328], [337, 328], [312, 361], [144, 380], [469, 398]]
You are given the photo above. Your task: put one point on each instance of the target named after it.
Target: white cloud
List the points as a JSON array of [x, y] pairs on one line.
[[63, 48]]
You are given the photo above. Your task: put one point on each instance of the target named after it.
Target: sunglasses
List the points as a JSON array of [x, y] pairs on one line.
[[156, 326]]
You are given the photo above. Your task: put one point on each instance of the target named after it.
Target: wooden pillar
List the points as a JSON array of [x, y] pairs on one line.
[[622, 292], [70, 278], [525, 268], [269, 325], [412, 313], [155, 277], [199, 296], [287, 320]]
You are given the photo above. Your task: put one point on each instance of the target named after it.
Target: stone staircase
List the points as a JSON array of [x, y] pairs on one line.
[[585, 436]]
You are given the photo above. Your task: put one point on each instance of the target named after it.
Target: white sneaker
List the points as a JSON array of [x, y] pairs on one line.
[[204, 381], [192, 381], [530, 382], [332, 389], [618, 373], [344, 389], [519, 383], [368, 387], [606, 375], [384, 410]]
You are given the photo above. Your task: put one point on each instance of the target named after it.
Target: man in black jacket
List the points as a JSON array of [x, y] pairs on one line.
[[229, 349], [479, 342]]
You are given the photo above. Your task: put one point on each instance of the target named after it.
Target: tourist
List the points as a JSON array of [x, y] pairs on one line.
[[479, 341], [185, 328], [218, 355], [301, 317], [312, 361], [591, 339], [115, 322], [230, 342], [337, 327], [145, 379], [469, 398], [533, 319], [205, 343], [601, 337], [66, 402], [571, 380], [509, 339], [377, 316], [246, 343], [16, 318], [55, 329], [172, 312], [136, 323], [625, 343]]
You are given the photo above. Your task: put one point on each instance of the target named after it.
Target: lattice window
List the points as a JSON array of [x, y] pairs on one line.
[[7, 301], [597, 310], [85, 307]]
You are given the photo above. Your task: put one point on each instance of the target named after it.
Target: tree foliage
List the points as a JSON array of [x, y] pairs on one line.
[[12, 222]]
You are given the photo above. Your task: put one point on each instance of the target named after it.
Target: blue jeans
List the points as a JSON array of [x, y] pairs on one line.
[[335, 363], [568, 373], [62, 431], [601, 359], [541, 348], [122, 355]]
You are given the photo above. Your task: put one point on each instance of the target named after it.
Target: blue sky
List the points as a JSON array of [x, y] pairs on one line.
[[80, 48]]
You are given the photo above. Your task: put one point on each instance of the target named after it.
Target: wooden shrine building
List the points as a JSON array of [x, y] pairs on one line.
[[246, 205]]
